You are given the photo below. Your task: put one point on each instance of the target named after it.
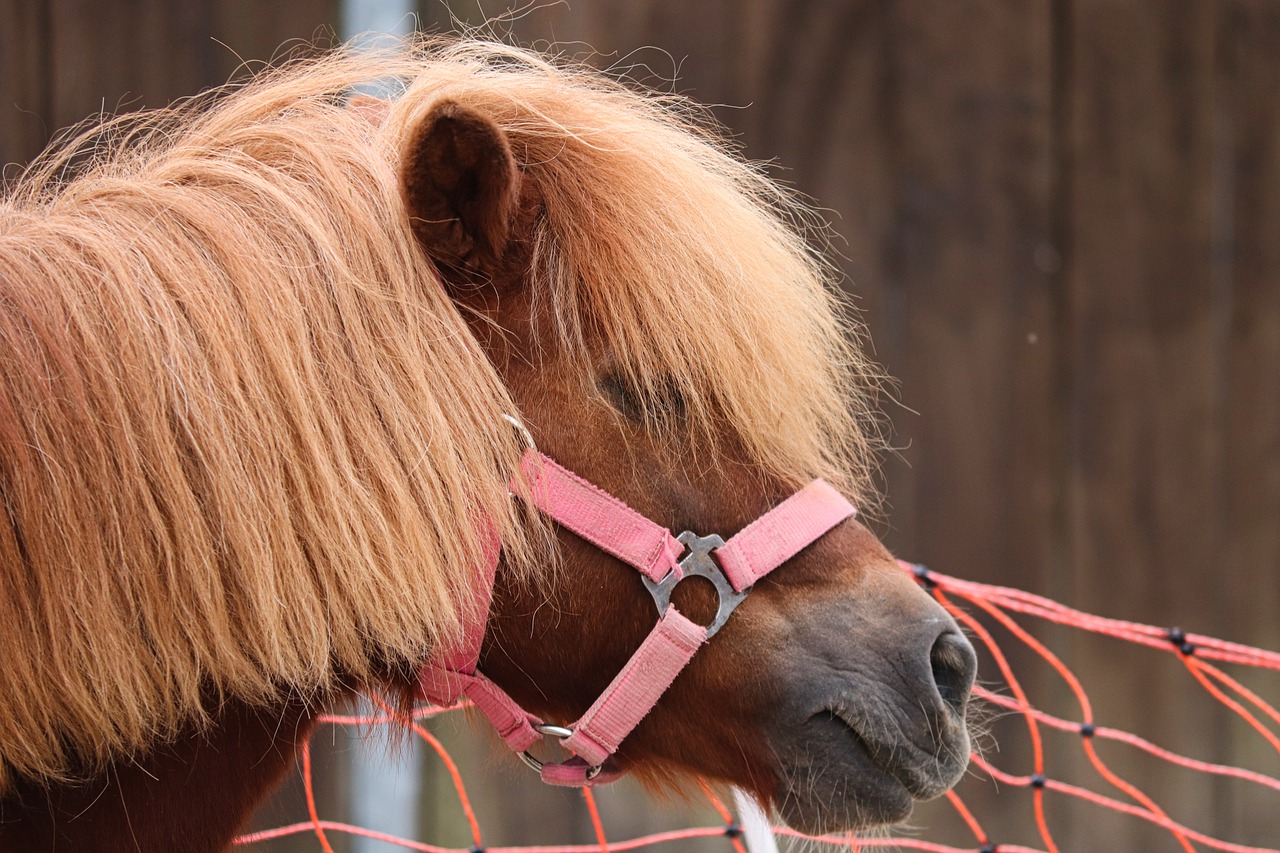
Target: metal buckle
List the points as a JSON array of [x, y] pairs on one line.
[[560, 733], [698, 563]]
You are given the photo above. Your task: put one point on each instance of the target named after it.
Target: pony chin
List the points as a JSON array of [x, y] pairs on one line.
[[834, 781]]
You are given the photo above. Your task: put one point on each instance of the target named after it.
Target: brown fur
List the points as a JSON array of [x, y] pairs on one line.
[[246, 439], [188, 796]]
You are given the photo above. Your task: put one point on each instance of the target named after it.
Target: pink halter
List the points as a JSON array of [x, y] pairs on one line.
[[615, 528]]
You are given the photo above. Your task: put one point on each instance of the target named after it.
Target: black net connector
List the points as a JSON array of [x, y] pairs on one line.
[[1179, 639], [1088, 729], [1037, 780], [476, 848], [988, 847], [732, 830], [922, 576]]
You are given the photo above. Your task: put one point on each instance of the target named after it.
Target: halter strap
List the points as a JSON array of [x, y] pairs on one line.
[[636, 688], [600, 518], [608, 523]]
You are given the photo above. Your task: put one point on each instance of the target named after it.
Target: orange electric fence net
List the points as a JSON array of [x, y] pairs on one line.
[[980, 608]]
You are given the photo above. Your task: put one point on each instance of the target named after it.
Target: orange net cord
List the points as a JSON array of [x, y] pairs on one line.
[[310, 790], [1037, 745], [1086, 710], [596, 823], [454, 775], [967, 817], [991, 603], [731, 825]]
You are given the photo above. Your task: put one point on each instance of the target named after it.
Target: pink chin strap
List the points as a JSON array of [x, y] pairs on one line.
[[612, 526]]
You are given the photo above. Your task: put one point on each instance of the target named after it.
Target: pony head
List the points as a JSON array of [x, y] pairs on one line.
[[665, 330]]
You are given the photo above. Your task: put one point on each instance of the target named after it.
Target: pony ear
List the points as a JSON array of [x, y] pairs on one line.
[[461, 187]]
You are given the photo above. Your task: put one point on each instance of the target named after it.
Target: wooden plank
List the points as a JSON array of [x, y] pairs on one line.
[[1249, 158], [147, 53], [964, 262], [1247, 287], [66, 60], [115, 57], [24, 90], [946, 179], [1146, 438], [244, 35]]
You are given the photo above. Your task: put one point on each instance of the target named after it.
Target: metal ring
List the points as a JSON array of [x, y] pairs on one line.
[[559, 732], [553, 731], [534, 764]]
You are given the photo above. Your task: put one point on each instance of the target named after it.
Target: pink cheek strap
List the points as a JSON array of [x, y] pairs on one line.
[[600, 518], [611, 525]]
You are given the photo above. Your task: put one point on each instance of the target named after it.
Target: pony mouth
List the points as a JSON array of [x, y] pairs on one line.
[[838, 778], [923, 774]]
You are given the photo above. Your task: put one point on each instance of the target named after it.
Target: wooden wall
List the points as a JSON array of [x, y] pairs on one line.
[[62, 61], [1061, 221]]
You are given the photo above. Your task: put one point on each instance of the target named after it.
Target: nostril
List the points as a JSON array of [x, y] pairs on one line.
[[954, 667]]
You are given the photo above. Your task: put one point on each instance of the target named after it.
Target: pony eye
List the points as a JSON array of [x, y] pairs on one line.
[[666, 400], [623, 397]]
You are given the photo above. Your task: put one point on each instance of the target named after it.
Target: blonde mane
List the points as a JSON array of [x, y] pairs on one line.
[[246, 439]]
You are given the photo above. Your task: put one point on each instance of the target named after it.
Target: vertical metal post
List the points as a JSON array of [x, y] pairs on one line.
[[386, 782], [384, 793], [374, 18]]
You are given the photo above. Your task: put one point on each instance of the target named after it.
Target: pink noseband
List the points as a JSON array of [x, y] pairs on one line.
[[614, 527]]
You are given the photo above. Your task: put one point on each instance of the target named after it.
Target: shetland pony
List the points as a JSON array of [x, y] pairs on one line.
[[255, 356]]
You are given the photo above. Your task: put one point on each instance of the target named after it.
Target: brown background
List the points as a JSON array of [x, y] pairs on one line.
[[1061, 220]]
